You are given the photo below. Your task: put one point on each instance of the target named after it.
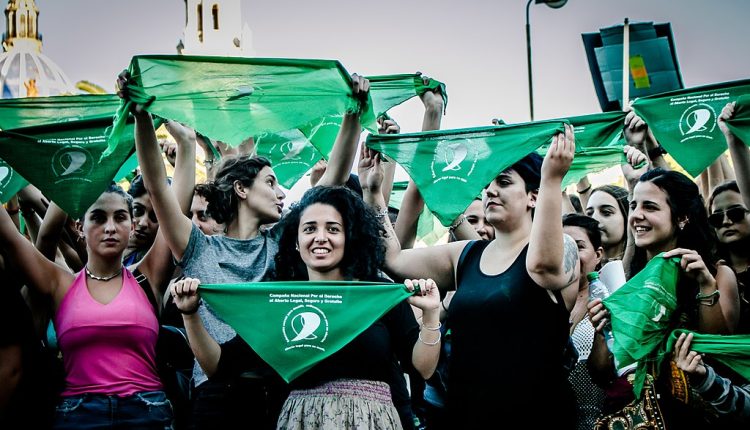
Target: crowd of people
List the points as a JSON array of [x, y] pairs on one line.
[[499, 328]]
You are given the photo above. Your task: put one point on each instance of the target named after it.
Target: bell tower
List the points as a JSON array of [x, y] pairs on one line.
[[215, 27], [21, 18]]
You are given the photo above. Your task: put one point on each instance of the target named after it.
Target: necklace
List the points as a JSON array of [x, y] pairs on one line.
[[102, 278]]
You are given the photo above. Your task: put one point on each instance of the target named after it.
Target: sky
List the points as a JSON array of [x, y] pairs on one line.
[[476, 47]]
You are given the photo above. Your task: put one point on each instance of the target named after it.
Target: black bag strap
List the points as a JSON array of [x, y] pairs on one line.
[[146, 286]]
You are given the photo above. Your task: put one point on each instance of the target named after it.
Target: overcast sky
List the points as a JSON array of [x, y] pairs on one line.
[[477, 47]]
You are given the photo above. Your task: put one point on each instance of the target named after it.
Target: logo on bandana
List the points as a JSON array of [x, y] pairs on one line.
[[305, 326], [72, 163], [6, 175], [699, 120], [453, 160]]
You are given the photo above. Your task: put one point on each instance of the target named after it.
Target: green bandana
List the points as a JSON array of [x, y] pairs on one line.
[[292, 153], [429, 229], [10, 182], [451, 167], [294, 325], [65, 160], [684, 121], [599, 144], [732, 351], [641, 312], [33, 111], [231, 99]]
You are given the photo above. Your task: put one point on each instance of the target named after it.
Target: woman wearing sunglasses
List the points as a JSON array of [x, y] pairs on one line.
[[730, 217]]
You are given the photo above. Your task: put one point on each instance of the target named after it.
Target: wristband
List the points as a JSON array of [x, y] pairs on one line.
[[656, 152]]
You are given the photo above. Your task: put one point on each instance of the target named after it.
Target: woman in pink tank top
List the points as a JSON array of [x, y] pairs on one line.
[[107, 328]]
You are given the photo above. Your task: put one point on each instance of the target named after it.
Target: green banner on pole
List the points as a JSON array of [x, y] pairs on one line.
[[294, 325]]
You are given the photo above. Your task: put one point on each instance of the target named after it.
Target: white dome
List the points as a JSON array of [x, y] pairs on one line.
[[21, 65]]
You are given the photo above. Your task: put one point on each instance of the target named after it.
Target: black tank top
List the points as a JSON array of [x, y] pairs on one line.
[[507, 352]]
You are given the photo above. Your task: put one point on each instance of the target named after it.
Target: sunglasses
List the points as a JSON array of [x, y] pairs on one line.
[[735, 214]]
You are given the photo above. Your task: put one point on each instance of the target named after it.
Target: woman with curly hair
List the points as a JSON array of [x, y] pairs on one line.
[[331, 235]]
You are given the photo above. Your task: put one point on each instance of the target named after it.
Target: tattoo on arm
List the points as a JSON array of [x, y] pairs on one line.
[[570, 256]]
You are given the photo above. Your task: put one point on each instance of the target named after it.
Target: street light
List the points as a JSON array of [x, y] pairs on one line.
[[554, 4]]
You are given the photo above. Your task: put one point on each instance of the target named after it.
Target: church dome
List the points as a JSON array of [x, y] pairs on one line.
[[31, 74], [24, 70]]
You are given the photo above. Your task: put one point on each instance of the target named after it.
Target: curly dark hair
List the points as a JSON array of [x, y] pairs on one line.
[[364, 249], [222, 200], [685, 202], [113, 188]]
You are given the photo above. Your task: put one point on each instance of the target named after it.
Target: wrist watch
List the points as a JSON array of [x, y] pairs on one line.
[[656, 152]]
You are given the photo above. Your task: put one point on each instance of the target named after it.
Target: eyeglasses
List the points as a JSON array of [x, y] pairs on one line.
[[735, 214]]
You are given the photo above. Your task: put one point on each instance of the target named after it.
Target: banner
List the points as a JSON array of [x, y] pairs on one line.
[[684, 121], [452, 167], [294, 325]]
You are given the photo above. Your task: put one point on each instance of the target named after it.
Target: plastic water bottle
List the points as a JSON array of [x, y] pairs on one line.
[[597, 290]]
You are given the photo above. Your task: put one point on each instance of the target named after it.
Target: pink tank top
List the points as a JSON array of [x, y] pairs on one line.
[[108, 349]]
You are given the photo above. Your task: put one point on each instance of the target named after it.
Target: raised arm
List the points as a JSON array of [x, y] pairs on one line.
[[173, 224], [345, 147], [388, 126], [552, 259], [50, 231], [426, 350], [41, 274], [436, 262], [739, 151], [157, 265]]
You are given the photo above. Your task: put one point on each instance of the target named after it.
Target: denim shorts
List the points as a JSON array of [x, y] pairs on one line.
[[145, 410]]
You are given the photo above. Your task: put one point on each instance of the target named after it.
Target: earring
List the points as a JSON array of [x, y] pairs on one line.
[[296, 247]]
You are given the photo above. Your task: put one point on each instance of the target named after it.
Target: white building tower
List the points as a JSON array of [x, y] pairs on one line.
[[215, 27]]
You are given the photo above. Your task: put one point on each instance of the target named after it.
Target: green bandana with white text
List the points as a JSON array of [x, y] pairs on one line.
[[684, 121], [65, 160], [452, 167], [294, 325]]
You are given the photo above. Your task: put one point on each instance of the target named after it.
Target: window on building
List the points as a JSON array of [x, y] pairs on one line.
[[22, 26], [215, 16]]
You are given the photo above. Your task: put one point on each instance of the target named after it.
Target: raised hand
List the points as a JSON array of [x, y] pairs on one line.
[[726, 113], [370, 169], [426, 295], [186, 297], [559, 157], [636, 129], [388, 126], [693, 265]]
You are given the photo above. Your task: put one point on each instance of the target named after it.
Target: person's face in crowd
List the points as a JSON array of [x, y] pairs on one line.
[[651, 219], [321, 240], [590, 257], [506, 199], [264, 197], [107, 226], [146, 224], [475, 216], [604, 208], [198, 215], [728, 205]]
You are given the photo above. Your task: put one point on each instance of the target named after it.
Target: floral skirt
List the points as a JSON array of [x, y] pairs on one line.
[[350, 404]]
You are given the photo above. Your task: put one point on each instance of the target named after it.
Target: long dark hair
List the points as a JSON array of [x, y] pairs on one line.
[[685, 202], [222, 200], [364, 250]]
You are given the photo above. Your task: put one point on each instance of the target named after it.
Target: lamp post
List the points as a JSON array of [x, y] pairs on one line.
[[555, 4]]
